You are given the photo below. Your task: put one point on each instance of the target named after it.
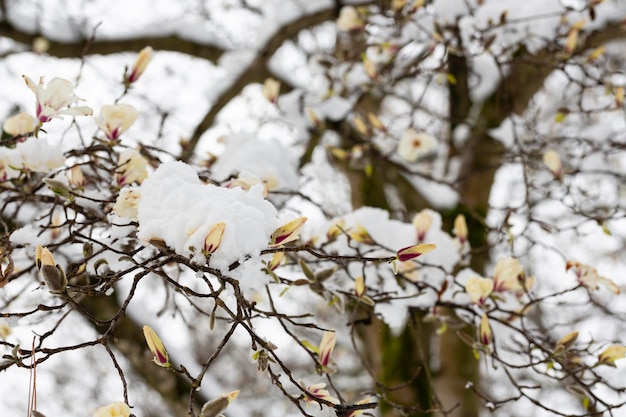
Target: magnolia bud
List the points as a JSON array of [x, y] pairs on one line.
[[52, 274]]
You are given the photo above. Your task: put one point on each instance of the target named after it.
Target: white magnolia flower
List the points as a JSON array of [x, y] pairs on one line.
[[414, 145], [132, 167], [127, 202], [115, 409], [20, 124], [54, 99], [116, 119]]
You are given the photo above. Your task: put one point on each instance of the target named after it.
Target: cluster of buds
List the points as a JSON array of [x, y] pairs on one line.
[[52, 274]]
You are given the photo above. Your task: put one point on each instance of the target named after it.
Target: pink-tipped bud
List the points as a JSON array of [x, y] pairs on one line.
[[155, 345], [213, 238], [412, 252], [288, 232], [327, 345], [484, 331], [422, 222], [143, 59], [271, 90], [276, 260]]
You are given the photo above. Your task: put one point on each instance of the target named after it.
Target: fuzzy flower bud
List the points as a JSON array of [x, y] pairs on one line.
[[215, 407], [52, 274]]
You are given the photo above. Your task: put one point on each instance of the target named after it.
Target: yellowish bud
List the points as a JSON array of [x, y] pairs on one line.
[[155, 345], [213, 238]]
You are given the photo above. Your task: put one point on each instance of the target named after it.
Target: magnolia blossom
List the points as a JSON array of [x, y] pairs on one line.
[[318, 391], [589, 277], [349, 20], [143, 59], [20, 124], [127, 202], [479, 289], [326, 348], [132, 167], [414, 145], [116, 119], [507, 275], [115, 409], [54, 99], [422, 222]]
